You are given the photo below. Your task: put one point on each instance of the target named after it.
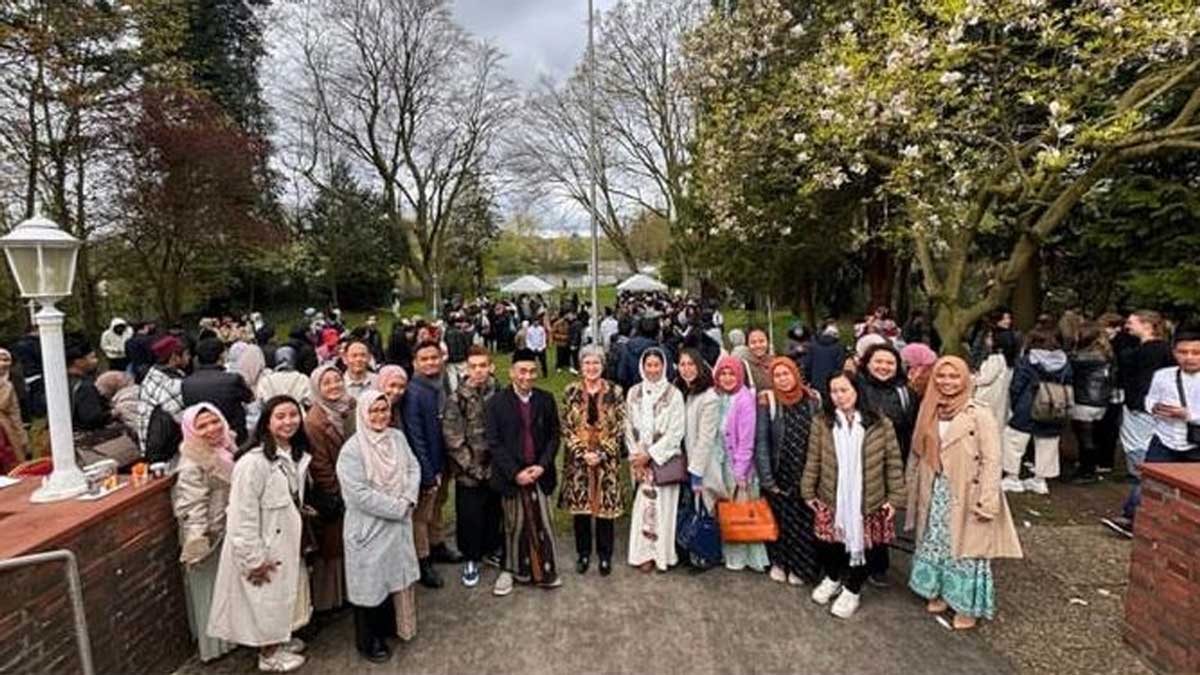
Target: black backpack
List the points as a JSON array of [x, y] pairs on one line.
[[163, 436]]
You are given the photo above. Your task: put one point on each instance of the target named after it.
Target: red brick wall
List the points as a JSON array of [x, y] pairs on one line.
[[133, 596], [1162, 605]]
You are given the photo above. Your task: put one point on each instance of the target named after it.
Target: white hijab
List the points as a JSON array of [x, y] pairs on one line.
[[651, 392], [848, 439]]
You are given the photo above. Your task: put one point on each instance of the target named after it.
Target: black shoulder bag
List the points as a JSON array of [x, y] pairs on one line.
[[1193, 428]]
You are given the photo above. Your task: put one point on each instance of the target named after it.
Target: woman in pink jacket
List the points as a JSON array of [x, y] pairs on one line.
[[738, 417]]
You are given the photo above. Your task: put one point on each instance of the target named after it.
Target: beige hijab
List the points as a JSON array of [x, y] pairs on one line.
[[927, 442]]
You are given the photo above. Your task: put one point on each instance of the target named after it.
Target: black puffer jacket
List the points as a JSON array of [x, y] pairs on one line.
[[1092, 379], [896, 401]]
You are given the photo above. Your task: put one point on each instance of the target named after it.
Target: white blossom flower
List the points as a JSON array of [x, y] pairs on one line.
[[799, 137], [797, 30], [786, 231], [950, 77], [802, 157], [1056, 108], [859, 168], [911, 152], [825, 114]]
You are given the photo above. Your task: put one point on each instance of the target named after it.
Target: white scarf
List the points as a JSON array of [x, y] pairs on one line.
[[651, 392], [848, 517]]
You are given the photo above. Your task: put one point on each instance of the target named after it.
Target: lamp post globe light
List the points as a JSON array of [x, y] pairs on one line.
[[42, 259]]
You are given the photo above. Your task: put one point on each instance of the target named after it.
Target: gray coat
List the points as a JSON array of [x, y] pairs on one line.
[[377, 530]]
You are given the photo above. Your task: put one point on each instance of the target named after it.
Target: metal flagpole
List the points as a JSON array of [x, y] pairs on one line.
[[595, 318]]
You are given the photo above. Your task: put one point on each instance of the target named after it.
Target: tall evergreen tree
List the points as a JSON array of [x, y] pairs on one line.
[[224, 46]]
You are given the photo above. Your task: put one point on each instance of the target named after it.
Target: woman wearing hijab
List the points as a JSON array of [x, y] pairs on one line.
[[200, 496], [380, 479], [702, 436], [759, 358], [15, 441], [593, 421], [328, 424], [654, 430], [738, 417], [918, 360], [261, 594], [955, 501], [785, 413], [737, 343], [284, 380], [853, 478], [393, 382], [118, 388], [251, 364]]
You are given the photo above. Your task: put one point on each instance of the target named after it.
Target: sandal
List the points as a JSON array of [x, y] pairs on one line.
[[936, 606], [964, 622]]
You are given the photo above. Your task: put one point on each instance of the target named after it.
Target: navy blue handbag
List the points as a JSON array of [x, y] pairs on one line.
[[697, 533]]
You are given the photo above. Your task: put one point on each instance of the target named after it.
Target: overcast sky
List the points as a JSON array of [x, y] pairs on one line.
[[539, 36]]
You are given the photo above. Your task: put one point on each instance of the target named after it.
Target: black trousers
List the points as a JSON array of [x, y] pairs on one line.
[[835, 564], [477, 520], [878, 560], [604, 536], [1107, 433], [374, 623], [1089, 454], [541, 357]]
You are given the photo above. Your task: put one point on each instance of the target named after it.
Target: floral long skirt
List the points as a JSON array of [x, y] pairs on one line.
[[966, 584]]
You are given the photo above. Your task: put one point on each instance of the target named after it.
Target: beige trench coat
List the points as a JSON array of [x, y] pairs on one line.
[[263, 524], [200, 497], [981, 525]]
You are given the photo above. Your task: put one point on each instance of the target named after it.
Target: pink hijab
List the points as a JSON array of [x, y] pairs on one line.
[[225, 451], [389, 373], [733, 363]]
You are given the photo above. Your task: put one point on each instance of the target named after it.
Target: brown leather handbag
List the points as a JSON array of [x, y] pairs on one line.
[[748, 522]]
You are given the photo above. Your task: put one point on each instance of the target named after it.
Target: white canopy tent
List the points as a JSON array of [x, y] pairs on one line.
[[641, 283], [528, 284]]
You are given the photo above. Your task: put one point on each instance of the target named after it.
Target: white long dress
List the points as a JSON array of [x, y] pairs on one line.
[[656, 408]]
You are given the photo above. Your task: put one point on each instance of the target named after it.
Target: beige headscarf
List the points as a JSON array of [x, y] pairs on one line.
[[927, 442], [337, 410], [383, 451]]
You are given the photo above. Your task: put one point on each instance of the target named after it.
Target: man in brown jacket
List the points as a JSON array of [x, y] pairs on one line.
[[464, 426]]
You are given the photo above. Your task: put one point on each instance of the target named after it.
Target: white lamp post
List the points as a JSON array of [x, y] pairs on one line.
[[42, 258]]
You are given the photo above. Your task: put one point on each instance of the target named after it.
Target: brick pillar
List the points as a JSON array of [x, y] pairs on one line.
[[1162, 605]]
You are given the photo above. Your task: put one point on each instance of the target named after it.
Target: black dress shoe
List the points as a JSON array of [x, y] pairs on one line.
[[605, 567], [379, 652], [429, 576], [581, 565], [444, 554]]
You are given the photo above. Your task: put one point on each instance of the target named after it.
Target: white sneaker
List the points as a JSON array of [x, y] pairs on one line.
[[778, 575], [295, 646], [845, 605], [504, 584], [825, 591], [1037, 486], [794, 580], [280, 661], [1011, 484]]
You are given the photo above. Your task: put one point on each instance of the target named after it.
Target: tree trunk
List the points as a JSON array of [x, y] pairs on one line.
[[626, 254], [1027, 294], [881, 276], [952, 331], [803, 302], [902, 292]]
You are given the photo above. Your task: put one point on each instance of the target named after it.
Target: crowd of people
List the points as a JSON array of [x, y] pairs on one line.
[[312, 473]]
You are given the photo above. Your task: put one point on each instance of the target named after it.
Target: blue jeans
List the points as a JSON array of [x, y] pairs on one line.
[[1157, 453]]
